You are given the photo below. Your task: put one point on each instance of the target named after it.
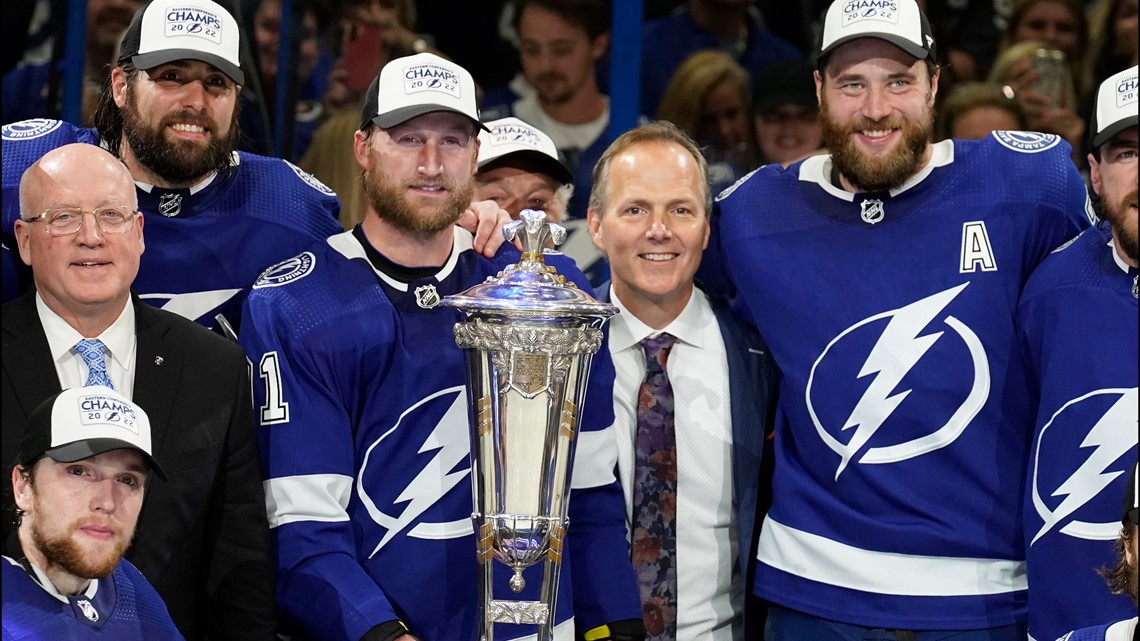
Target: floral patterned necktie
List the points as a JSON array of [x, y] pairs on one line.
[[655, 494], [93, 352]]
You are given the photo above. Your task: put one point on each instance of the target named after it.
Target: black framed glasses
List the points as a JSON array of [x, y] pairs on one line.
[[64, 221]]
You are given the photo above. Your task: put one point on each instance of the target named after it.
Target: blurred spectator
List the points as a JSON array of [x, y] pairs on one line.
[[972, 110], [1113, 34], [787, 113], [308, 77], [560, 42], [734, 27], [26, 88], [1060, 24], [709, 98], [1014, 70], [330, 159]]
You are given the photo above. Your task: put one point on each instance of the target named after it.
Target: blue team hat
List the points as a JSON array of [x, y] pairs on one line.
[[1116, 107]]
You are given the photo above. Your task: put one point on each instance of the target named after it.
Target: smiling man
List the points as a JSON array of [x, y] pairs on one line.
[[885, 278], [83, 469], [691, 473], [364, 411], [203, 537], [170, 112]]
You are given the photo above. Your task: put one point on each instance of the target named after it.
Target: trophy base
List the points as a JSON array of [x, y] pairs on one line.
[[518, 612]]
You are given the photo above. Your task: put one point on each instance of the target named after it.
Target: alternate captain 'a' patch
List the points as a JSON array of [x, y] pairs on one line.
[[286, 272], [28, 129], [1027, 142]]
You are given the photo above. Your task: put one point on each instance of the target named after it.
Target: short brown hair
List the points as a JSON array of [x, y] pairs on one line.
[[657, 131]]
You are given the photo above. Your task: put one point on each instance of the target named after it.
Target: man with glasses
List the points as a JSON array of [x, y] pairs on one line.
[[203, 537], [170, 112]]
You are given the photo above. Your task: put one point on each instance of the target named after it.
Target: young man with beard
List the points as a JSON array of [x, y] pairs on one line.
[[84, 463], [885, 277], [560, 42], [216, 219], [364, 411], [1085, 437], [203, 537]]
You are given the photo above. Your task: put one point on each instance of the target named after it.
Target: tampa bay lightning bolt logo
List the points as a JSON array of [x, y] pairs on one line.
[[399, 503], [1027, 142], [28, 129], [286, 272], [1074, 465], [899, 349]]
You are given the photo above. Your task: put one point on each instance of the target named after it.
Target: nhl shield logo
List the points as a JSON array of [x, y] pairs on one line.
[[427, 297], [170, 205], [89, 610], [871, 211]]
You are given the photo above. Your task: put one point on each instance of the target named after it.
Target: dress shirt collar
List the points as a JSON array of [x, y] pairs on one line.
[[626, 330], [119, 338]]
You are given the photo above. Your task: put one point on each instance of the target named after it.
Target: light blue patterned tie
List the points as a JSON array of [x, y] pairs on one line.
[[93, 352], [654, 546]]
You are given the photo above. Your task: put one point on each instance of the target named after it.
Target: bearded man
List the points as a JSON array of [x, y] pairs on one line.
[[1085, 434], [84, 466], [216, 218], [364, 431], [884, 278]]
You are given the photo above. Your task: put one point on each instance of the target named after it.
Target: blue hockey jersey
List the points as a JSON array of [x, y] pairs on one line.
[[204, 246], [1078, 325], [1119, 631], [120, 607], [365, 441], [904, 411]]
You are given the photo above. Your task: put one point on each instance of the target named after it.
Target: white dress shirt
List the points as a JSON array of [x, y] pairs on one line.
[[119, 339], [710, 590]]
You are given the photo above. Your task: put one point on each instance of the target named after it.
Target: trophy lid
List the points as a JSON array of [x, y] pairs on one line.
[[530, 287]]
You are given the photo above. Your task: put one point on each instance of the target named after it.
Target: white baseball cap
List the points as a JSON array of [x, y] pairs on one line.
[[168, 30], [82, 422], [1116, 107], [416, 85], [516, 139], [899, 22]]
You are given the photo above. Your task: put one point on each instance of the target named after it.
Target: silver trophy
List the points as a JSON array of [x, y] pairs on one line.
[[529, 337]]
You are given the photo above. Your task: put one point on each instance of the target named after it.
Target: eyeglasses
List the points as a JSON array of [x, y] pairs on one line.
[[64, 221]]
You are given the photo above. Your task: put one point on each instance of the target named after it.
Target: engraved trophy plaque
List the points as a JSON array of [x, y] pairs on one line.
[[529, 338]]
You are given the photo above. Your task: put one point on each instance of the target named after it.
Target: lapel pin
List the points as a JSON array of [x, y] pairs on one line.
[[158, 360]]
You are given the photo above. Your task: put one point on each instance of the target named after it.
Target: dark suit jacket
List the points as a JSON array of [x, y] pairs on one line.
[[753, 380], [202, 537]]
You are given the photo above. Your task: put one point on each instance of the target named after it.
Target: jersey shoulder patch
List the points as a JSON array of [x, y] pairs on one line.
[[310, 179], [1026, 142], [287, 271], [29, 129]]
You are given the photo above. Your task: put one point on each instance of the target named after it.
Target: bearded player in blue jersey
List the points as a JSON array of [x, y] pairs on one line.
[[83, 467], [1085, 437], [363, 410], [885, 277], [215, 217]]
